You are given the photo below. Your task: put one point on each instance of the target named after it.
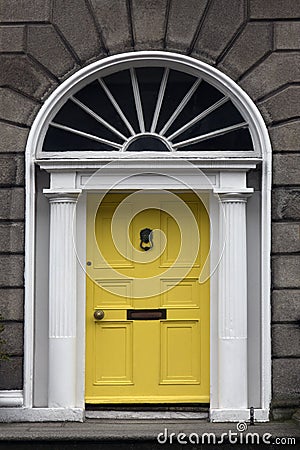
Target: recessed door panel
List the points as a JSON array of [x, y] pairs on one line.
[[112, 294], [181, 293], [180, 352], [113, 362], [105, 250]]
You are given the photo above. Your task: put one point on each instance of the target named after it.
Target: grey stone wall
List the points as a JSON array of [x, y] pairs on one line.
[[255, 42]]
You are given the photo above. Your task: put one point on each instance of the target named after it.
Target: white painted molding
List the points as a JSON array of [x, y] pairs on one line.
[[11, 398], [62, 195], [231, 194], [238, 415], [67, 165], [149, 181], [41, 415]]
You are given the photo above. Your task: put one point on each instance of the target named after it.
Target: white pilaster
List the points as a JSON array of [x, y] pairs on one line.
[[62, 300], [232, 304]]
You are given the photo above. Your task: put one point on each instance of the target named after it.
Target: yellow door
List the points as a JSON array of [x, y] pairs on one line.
[[152, 345]]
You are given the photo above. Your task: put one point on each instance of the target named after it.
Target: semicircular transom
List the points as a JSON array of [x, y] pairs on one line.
[[150, 107]]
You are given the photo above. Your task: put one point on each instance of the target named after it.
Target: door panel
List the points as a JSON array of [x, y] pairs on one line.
[[113, 363], [180, 352], [163, 360], [180, 294]]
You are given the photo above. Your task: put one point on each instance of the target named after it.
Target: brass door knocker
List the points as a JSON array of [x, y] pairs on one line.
[[146, 239]]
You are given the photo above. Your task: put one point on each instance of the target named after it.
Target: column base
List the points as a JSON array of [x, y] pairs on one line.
[[62, 372], [41, 415], [233, 376], [238, 415]]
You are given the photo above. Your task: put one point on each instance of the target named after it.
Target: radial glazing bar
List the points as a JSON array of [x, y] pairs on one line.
[[137, 100], [205, 137], [180, 107], [98, 118], [199, 117], [86, 135], [160, 98], [116, 106]]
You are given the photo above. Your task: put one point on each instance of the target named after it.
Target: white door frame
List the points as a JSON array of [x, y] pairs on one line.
[[66, 176]]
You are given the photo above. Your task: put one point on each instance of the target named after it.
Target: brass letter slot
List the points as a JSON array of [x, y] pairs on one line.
[[146, 314]]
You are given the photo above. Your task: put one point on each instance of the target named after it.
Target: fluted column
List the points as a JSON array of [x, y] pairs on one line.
[[62, 301], [233, 383]]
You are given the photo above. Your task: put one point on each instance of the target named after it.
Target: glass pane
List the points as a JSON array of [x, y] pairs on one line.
[[120, 86], [147, 144], [204, 97], [75, 117], [179, 83], [225, 116], [60, 140], [96, 99], [235, 140]]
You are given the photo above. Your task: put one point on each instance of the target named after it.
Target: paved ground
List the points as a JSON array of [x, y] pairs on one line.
[[142, 434]]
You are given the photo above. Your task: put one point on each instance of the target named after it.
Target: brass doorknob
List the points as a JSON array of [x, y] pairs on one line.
[[99, 314]]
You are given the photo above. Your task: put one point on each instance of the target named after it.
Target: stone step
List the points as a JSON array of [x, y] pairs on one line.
[[157, 415]]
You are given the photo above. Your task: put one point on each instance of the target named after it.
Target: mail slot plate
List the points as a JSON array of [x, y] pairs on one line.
[[146, 314]]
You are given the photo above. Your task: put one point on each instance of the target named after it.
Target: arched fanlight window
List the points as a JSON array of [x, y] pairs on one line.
[[148, 109]]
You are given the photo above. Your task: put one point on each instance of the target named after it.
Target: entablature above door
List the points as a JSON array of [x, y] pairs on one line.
[[217, 176]]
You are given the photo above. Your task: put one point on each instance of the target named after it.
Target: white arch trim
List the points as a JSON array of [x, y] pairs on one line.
[[87, 74], [262, 149]]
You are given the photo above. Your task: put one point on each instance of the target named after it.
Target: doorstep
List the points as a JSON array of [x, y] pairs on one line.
[[146, 430], [146, 411]]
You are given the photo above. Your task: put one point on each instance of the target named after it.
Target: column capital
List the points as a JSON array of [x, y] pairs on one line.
[[233, 196], [62, 196]]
